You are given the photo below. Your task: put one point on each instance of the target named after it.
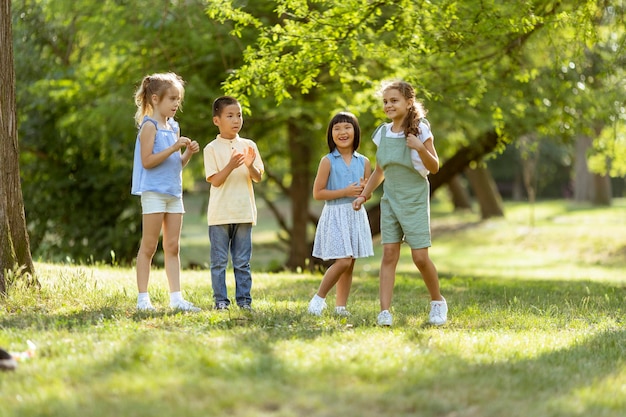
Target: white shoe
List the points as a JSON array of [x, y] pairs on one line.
[[385, 318], [184, 305], [317, 305], [438, 312], [145, 305], [341, 311]]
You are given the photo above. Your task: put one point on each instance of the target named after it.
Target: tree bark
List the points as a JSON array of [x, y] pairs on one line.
[[15, 256], [486, 192], [462, 158], [583, 183], [588, 186], [602, 190], [300, 190], [460, 197]]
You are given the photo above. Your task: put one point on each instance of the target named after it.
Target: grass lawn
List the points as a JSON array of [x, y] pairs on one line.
[[537, 311]]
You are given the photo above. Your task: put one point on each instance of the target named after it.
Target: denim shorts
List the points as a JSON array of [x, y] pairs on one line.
[[152, 202]]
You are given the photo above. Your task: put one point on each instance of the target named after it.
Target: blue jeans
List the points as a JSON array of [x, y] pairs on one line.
[[237, 238]]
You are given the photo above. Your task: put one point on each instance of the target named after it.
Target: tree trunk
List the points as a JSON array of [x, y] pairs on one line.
[[15, 256], [602, 190], [300, 190], [460, 197], [462, 158], [583, 183], [588, 186], [486, 192]]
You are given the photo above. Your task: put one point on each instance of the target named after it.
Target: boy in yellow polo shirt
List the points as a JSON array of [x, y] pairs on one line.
[[231, 164]]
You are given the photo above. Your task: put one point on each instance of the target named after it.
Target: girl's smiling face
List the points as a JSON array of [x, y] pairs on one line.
[[343, 135], [395, 105]]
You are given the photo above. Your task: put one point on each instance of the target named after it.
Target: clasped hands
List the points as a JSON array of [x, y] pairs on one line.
[[246, 157]]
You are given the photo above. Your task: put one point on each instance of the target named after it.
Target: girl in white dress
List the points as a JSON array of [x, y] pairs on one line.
[[342, 234]]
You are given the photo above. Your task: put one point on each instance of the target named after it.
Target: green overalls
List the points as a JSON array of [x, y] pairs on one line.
[[405, 205]]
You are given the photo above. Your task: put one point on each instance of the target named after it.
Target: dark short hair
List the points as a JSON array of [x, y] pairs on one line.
[[221, 102], [343, 117]]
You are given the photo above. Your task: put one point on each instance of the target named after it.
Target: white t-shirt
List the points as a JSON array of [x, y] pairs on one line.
[[415, 157], [233, 201]]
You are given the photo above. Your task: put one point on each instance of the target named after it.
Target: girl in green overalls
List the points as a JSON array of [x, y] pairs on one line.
[[406, 154]]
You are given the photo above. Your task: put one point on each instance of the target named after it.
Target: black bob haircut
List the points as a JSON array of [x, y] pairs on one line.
[[343, 117]]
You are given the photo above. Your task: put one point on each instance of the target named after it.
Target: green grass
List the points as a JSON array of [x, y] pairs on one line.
[[536, 329]]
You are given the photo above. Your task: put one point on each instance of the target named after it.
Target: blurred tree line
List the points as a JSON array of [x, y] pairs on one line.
[[524, 90]]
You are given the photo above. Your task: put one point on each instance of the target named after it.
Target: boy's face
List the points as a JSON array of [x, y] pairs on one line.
[[230, 121]]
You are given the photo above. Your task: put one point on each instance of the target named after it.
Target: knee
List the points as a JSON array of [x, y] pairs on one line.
[[343, 264], [171, 248], [390, 256], [421, 260], [147, 250]]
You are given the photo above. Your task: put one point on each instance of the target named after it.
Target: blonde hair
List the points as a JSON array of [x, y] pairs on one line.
[[416, 112], [155, 84]]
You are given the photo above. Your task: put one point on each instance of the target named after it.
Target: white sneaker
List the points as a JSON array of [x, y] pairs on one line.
[[317, 305], [145, 305], [184, 305], [438, 312], [385, 318], [341, 311]]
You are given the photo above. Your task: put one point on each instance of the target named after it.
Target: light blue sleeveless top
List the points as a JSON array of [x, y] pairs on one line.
[[342, 175], [165, 178]]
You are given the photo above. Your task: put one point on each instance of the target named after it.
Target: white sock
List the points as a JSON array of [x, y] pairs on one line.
[[143, 296], [176, 297], [317, 297]]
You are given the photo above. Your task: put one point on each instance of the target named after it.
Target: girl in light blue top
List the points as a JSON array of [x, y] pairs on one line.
[[342, 234], [157, 178]]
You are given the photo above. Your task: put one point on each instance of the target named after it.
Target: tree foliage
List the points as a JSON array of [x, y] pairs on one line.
[[76, 87], [485, 68], [488, 71]]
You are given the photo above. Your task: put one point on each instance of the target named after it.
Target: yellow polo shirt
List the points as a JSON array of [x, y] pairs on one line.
[[233, 201]]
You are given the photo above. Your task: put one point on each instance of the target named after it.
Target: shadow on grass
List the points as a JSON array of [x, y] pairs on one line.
[[263, 382], [283, 303]]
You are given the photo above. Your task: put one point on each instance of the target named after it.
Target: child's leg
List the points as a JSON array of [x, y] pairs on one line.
[[344, 285], [172, 225], [340, 273], [391, 255], [219, 237], [151, 230], [241, 253], [429, 272]]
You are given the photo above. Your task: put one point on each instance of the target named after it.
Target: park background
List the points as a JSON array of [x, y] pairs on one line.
[[526, 100]]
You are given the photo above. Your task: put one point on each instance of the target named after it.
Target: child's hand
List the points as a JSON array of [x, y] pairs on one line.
[[236, 159], [413, 142], [193, 147], [182, 142], [249, 156], [356, 204], [353, 190]]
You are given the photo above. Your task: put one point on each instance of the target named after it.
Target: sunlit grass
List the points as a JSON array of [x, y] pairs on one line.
[[536, 329]]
